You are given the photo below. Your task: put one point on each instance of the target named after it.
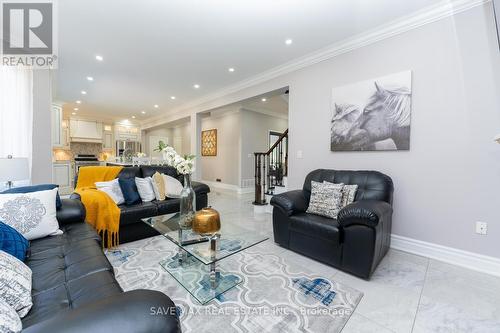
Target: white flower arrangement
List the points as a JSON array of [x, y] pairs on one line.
[[183, 165]]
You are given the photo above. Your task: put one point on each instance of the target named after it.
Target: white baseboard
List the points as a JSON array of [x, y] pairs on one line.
[[229, 187], [470, 260]]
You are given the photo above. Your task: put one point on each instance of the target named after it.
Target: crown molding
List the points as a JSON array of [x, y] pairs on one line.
[[439, 11]]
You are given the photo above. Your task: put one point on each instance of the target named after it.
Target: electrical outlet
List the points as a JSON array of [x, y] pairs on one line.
[[299, 154], [481, 228]]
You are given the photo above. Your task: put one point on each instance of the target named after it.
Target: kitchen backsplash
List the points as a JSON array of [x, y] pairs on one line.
[[78, 148]]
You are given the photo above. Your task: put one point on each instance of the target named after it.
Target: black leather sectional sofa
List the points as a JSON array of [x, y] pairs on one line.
[[360, 236], [74, 287], [131, 226]]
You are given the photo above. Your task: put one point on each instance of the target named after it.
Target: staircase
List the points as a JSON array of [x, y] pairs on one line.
[[271, 170]]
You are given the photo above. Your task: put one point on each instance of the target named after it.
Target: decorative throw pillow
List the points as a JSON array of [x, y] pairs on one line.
[[129, 190], [12, 242], [112, 188], [145, 188], [348, 194], [15, 283], [158, 186], [9, 319], [326, 199], [173, 186], [32, 214], [36, 188]]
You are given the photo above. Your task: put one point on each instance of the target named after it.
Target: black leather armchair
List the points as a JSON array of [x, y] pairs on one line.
[[360, 236]]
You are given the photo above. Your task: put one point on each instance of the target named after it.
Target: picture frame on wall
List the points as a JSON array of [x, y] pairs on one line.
[[496, 11], [209, 142], [372, 115]]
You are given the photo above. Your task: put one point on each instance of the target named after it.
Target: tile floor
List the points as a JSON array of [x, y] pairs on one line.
[[407, 293]]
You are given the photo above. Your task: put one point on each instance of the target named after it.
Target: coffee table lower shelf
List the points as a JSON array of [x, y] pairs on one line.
[[203, 282]]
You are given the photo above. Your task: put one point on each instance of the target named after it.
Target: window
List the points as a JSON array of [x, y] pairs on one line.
[[16, 112]]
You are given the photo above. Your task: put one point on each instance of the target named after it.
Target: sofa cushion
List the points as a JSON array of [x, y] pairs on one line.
[[9, 319], [316, 226], [129, 190], [71, 295], [15, 283], [133, 213], [130, 172], [168, 206], [150, 170], [37, 188]]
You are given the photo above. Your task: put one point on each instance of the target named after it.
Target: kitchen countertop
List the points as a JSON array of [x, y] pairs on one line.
[[119, 163]]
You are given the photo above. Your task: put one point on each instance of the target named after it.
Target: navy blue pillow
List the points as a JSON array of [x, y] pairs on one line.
[[12, 242], [129, 190], [36, 188]]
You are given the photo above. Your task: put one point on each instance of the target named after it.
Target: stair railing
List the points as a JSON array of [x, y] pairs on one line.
[[270, 168]]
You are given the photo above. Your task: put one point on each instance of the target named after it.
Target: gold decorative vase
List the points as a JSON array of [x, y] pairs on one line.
[[206, 222]]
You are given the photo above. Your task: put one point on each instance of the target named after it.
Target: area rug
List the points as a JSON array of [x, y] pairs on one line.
[[273, 296]]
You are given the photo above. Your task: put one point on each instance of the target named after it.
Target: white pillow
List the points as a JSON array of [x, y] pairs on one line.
[[32, 214], [173, 186], [15, 283], [113, 189], [145, 188], [9, 319]]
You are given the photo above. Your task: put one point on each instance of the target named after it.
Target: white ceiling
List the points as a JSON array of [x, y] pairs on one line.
[[154, 49]]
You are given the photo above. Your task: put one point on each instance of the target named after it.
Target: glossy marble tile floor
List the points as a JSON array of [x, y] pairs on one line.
[[407, 293]]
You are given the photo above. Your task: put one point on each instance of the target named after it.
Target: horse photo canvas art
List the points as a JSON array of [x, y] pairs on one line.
[[372, 115]]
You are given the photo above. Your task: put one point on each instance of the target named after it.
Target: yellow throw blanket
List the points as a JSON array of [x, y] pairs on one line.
[[102, 212]]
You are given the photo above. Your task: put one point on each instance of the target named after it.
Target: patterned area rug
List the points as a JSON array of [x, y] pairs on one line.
[[273, 297]]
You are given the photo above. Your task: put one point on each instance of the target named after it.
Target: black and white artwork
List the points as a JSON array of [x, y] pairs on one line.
[[372, 115]]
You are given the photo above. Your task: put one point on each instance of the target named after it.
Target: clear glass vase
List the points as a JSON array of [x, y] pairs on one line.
[[188, 204]]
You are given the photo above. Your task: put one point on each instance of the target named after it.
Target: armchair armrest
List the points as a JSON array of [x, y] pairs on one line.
[[71, 211], [290, 202], [364, 212], [134, 311]]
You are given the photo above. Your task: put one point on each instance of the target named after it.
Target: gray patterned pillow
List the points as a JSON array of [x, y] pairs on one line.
[[9, 319], [32, 214], [348, 194], [326, 199], [15, 283]]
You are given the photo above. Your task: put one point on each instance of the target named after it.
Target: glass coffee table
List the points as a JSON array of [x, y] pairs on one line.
[[194, 265]]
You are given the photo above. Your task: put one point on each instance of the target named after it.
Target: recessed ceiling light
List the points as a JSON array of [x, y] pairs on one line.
[[172, 97], [90, 78], [288, 41], [73, 113], [133, 117], [196, 86], [99, 58], [78, 102], [75, 109], [264, 99], [156, 106], [143, 112], [231, 69], [84, 92]]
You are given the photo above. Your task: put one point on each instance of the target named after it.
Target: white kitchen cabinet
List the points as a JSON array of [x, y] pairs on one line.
[[62, 176], [85, 131], [107, 141], [56, 120], [128, 133]]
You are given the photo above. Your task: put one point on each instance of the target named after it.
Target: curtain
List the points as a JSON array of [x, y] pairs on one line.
[[16, 112]]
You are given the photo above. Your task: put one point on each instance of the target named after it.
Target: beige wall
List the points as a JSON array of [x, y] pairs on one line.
[[226, 165]]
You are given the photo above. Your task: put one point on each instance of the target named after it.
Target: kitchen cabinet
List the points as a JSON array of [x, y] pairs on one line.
[[57, 131], [85, 131], [107, 140], [62, 175], [128, 133]]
